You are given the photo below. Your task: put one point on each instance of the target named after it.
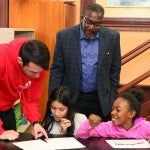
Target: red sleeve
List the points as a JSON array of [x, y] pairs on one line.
[[30, 99], [2, 62], [1, 129]]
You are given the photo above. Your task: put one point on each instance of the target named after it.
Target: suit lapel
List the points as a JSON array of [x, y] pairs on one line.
[[103, 46], [76, 46]]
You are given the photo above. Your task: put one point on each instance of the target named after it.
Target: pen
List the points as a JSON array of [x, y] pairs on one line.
[[43, 139], [52, 115]]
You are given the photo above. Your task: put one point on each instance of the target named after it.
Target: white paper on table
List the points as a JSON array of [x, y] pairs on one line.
[[132, 143], [64, 143], [33, 145]]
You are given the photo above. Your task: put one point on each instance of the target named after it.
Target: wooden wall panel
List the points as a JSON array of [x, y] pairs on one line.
[[46, 17], [69, 7], [4, 13], [127, 24]]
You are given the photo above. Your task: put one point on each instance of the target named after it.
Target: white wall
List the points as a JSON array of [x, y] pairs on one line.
[[125, 11]]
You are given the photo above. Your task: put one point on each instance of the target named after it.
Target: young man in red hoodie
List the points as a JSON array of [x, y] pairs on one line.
[[23, 64]]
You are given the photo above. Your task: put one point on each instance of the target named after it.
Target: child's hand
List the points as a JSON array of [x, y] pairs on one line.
[[94, 120], [64, 123]]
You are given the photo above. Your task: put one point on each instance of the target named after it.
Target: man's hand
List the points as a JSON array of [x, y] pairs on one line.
[[39, 131], [9, 135], [94, 120]]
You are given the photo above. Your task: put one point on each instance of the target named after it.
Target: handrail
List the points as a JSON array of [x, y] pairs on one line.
[[134, 82], [135, 54], [129, 56], [135, 49]]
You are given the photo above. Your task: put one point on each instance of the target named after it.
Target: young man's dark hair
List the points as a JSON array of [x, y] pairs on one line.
[[35, 51]]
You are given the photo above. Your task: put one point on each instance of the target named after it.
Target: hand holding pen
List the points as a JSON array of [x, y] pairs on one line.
[[64, 123]]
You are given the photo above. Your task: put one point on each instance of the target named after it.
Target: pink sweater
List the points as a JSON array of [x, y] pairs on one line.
[[14, 84], [140, 130]]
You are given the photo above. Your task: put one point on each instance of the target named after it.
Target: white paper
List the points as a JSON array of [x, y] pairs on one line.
[[33, 145], [51, 144], [64, 143], [133, 143]]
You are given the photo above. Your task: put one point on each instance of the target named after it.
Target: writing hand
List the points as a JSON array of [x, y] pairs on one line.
[[39, 131]]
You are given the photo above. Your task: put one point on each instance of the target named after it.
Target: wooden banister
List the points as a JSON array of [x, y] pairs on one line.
[[135, 49], [135, 54], [129, 56], [134, 82]]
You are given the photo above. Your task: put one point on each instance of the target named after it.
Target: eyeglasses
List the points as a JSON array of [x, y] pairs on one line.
[[89, 23]]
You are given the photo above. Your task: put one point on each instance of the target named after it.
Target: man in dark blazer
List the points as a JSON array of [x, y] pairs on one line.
[[87, 59]]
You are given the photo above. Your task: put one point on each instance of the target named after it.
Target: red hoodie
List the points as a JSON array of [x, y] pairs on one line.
[[14, 84]]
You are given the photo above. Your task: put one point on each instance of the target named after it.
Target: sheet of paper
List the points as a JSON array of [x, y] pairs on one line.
[[51, 144], [132, 143], [33, 145], [64, 143]]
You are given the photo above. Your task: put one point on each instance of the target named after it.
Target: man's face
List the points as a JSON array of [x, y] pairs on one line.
[[91, 23], [32, 70]]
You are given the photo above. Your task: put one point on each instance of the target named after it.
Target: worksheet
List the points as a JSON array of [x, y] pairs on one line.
[[33, 145], [129, 143], [64, 143], [50, 144]]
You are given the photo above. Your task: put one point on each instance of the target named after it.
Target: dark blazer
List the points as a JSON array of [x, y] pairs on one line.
[[66, 68]]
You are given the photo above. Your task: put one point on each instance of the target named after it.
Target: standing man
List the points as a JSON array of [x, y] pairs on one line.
[[22, 68], [87, 59]]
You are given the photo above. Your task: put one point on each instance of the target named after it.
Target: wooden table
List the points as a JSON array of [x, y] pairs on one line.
[[91, 143]]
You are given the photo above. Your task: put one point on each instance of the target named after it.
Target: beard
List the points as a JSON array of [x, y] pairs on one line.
[[88, 34]]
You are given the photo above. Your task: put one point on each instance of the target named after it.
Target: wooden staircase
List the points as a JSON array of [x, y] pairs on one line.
[[142, 48]]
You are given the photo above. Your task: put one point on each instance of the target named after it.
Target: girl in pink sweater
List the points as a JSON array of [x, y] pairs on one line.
[[125, 122]]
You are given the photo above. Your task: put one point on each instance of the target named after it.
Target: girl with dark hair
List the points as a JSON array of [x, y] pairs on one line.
[[125, 122], [60, 117]]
